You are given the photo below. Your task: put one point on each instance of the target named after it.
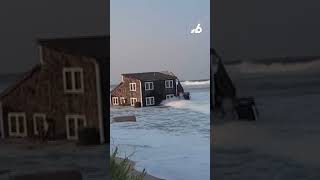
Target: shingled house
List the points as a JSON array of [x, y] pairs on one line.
[[62, 94], [146, 89]]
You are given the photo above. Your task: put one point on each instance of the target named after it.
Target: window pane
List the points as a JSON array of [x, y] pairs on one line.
[[71, 127], [68, 80], [21, 124], [78, 80], [13, 124]]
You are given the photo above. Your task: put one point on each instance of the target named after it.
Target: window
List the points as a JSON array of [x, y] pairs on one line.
[[148, 86], [40, 124], [115, 100], [122, 100], [149, 101], [75, 123], [169, 96], [169, 83], [73, 80], [133, 101], [133, 86], [17, 124]]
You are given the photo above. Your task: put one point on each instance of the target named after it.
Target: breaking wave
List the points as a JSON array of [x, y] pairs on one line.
[[195, 105], [175, 102], [275, 67], [196, 83]]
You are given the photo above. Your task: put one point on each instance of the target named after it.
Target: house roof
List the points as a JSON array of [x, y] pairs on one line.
[[151, 76], [91, 46], [25, 77]]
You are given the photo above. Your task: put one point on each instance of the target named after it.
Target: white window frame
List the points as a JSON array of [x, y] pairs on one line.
[[73, 89], [169, 96], [131, 87], [76, 117], [132, 104], [17, 133], [170, 84], [35, 126], [148, 84], [122, 100], [113, 100], [150, 104]]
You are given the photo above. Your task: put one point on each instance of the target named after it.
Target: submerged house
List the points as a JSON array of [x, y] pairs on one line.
[[146, 89], [61, 95], [224, 100]]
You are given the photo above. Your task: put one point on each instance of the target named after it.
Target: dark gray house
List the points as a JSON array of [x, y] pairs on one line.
[[146, 89]]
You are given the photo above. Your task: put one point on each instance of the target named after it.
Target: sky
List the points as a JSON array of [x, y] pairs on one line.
[[153, 35], [22, 22], [265, 28]]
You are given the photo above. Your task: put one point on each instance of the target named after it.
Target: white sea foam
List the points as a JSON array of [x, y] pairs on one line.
[[171, 141], [287, 131], [277, 67], [196, 83], [195, 104]]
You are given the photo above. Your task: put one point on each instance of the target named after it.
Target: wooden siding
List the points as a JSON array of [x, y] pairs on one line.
[[159, 92], [43, 92], [123, 90]]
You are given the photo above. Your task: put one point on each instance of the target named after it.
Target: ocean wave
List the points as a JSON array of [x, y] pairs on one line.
[[275, 67], [175, 102], [187, 104], [195, 83]]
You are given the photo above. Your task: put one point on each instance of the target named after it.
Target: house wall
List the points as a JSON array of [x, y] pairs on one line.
[[44, 92], [104, 65], [160, 91], [1, 122], [123, 90]]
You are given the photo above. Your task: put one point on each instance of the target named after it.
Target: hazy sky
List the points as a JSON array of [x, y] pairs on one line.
[[266, 28], [154, 35], [24, 21]]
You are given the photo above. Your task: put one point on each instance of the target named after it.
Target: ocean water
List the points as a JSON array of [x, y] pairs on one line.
[[171, 141], [283, 142]]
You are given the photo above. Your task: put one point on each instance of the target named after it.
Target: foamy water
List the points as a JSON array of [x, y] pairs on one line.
[[196, 83], [283, 143], [171, 141]]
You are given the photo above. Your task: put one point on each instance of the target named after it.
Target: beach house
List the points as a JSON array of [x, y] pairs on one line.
[[146, 89], [61, 95]]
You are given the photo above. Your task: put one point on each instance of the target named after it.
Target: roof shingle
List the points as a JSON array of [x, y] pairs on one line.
[[150, 76]]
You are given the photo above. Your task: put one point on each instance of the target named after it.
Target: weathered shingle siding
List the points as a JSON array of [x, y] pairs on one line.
[[124, 90], [159, 92], [44, 93]]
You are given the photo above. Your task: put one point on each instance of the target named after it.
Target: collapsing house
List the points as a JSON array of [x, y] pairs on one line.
[[146, 89], [224, 99], [63, 94]]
